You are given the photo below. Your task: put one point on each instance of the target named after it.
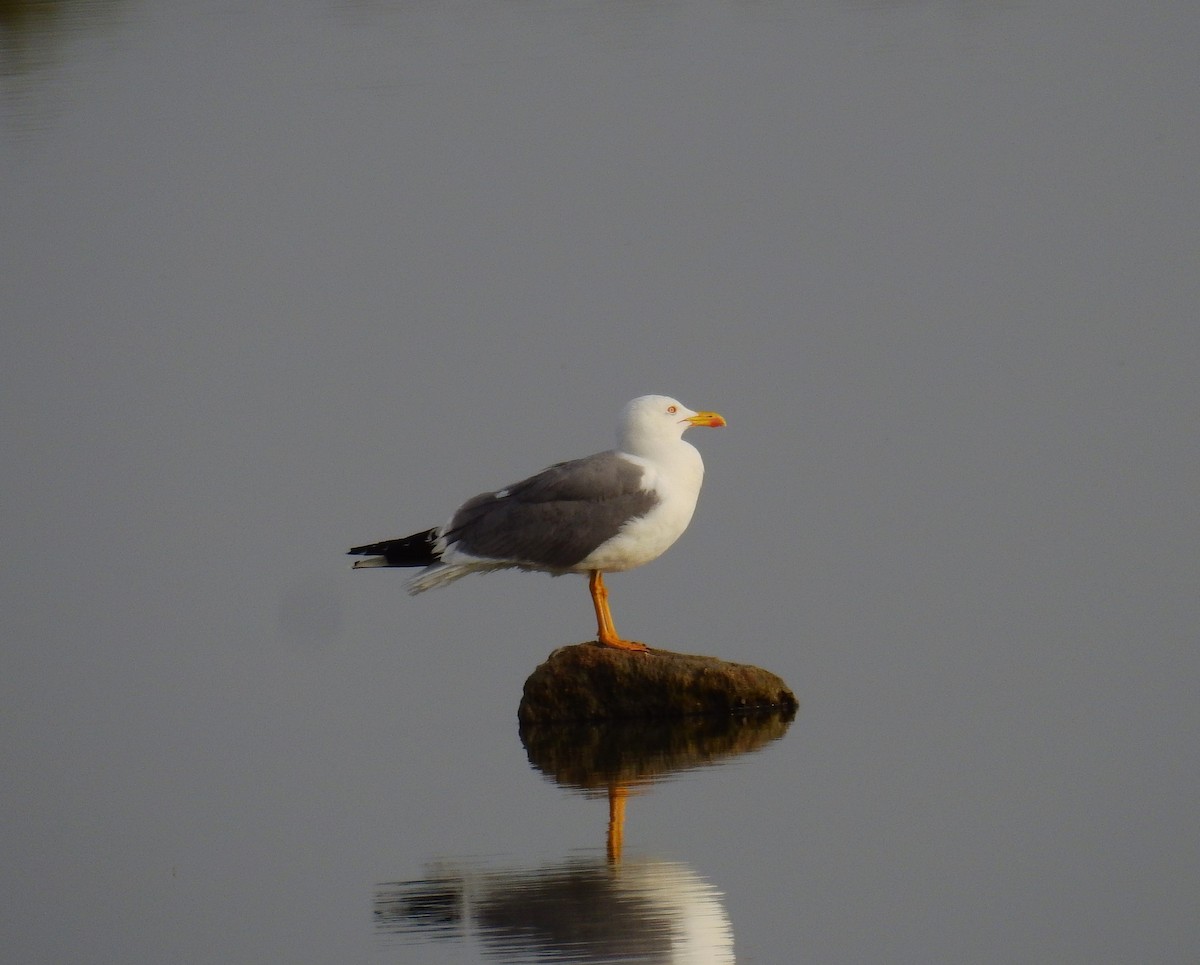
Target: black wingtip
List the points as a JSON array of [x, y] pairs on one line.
[[415, 550]]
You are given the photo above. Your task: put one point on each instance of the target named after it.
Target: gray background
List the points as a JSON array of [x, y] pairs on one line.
[[281, 277]]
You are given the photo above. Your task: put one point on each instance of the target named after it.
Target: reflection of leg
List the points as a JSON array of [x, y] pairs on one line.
[[606, 633], [616, 822]]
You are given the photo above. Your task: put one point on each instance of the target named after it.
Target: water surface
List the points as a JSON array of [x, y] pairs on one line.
[[283, 278]]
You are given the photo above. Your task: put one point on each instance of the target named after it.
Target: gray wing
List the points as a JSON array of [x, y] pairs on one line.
[[556, 518]]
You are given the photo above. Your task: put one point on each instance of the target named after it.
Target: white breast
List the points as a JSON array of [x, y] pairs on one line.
[[676, 479]]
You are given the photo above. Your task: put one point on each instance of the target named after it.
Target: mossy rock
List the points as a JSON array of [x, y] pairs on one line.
[[588, 681]]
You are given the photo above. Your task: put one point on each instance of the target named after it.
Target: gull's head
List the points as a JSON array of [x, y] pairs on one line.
[[651, 420]]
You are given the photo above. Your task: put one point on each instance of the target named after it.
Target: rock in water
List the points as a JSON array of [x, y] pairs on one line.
[[591, 682]]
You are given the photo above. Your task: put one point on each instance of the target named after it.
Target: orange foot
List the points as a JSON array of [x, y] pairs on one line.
[[606, 633], [612, 640]]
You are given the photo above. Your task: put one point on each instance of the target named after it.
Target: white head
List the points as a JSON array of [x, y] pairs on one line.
[[652, 421]]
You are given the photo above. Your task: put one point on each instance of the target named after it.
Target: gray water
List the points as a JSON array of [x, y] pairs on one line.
[[278, 278]]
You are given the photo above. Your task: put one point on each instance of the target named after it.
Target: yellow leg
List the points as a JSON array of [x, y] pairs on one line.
[[599, 592], [606, 633]]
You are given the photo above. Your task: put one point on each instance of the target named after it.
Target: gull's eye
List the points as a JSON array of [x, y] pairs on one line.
[[672, 409]]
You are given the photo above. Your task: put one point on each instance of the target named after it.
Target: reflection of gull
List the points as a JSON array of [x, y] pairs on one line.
[[589, 910], [643, 910], [699, 927]]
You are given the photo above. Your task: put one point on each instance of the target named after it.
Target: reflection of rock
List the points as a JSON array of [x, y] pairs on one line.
[[584, 910], [591, 682], [598, 754], [616, 755]]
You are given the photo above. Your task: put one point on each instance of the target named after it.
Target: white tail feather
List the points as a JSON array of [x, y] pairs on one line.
[[444, 573]]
